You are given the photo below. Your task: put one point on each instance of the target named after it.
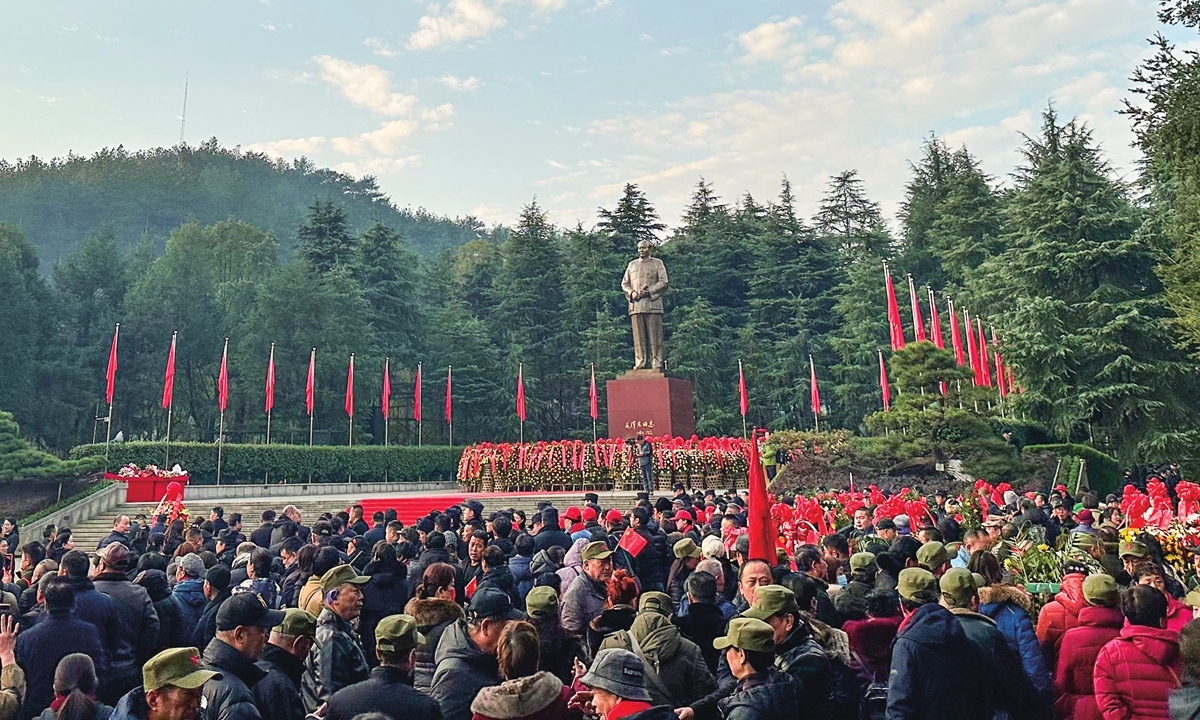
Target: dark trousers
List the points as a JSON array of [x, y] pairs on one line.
[[648, 477]]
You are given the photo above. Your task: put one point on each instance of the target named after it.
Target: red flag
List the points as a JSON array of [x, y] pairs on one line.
[[521, 392], [632, 543], [472, 587], [111, 375], [918, 321], [955, 338], [449, 395], [983, 355], [758, 515], [169, 379], [350, 388], [593, 397], [417, 395], [974, 356], [893, 313], [935, 323], [385, 401], [883, 384], [223, 379], [743, 399], [814, 391], [271, 380], [308, 388]]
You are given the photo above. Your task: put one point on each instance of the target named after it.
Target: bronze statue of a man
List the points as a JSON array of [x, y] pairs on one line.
[[644, 282]]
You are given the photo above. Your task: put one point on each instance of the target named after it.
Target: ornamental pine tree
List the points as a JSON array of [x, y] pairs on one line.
[[387, 272], [633, 220]]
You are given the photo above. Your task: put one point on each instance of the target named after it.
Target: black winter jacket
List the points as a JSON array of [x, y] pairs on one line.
[[385, 691], [462, 671], [433, 617], [335, 661], [230, 697], [934, 668], [278, 694], [501, 579], [385, 595], [763, 696], [40, 648], [139, 621]]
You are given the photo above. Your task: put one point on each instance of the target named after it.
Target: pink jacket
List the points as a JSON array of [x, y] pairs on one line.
[[1136, 672]]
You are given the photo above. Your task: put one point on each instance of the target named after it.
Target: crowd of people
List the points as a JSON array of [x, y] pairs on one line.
[[655, 612]]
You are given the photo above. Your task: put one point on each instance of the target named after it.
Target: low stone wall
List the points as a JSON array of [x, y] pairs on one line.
[[243, 492], [91, 506]]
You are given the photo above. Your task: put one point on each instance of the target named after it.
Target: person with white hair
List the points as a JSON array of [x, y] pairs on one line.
[[714, 549]]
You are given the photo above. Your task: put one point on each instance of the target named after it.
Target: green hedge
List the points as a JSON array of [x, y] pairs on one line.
[[250, 464], [1104, 473], [95, 488]]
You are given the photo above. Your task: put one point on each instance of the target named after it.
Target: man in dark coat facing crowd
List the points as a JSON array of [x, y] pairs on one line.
[[933, 663], [139, 619], [278, 694], [466, 655], [242, 626], [388, 689]]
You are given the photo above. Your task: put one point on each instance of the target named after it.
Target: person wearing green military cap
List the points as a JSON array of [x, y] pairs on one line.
[[676, 673], [172, 685], [388, 689], [933, 557], [587, 595], [278, 694], [797, 652], [687, 557], [557, 651], [1100, 621], [933, 663], [337, 659], [749, 649], [1002, 683]]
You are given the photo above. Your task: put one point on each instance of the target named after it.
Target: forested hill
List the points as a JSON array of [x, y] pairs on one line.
[[59, 203]]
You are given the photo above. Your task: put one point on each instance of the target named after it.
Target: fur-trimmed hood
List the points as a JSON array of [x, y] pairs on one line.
[[433, 612], [518, 698], [1000, 594]]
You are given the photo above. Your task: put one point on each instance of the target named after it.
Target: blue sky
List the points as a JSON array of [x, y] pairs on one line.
[[477, 106]]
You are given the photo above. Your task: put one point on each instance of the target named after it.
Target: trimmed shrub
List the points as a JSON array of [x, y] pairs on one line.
[[1103, 471], [254, 464]]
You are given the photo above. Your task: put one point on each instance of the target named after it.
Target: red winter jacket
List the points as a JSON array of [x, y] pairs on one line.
[[1178, 615], [1060, 615], [1075, 696], [1136, 672]]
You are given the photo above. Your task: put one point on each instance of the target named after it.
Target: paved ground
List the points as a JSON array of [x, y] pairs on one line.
[[88, 534]]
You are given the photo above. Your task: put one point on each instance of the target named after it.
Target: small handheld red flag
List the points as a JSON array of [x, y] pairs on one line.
[[918, 321], [111, 374], [169, 379], [815, 392], [308, 388], [471, 587], [743, 398], [417, 395], [350, 388], [593, 397], [385, 401], [883, 384], [223, 379], [521, 392], [632, 542], [895, 328], [449, 395], [762, 531], [270, 381]]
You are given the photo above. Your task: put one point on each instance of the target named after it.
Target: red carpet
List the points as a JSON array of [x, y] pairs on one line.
[[411, 509]]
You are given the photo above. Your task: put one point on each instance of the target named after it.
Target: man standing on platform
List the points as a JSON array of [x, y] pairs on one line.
[[644, 283]]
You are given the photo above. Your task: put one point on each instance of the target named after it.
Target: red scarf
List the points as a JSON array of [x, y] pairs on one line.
[[626, 708]]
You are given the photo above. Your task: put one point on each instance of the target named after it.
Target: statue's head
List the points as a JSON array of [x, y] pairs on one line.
[[644, 249]]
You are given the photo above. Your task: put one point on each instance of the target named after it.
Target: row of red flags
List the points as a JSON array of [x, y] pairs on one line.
[[309, 399]]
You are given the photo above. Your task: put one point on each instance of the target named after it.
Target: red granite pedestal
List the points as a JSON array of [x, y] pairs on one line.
[[647, 402]]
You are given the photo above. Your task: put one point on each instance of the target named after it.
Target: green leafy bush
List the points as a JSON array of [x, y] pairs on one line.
[[252, 464], [20, 460]]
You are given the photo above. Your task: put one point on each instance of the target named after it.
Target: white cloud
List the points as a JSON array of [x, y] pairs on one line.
[[381, 48], [289, 148], [376, 166], [385, 140], [267, 26], [460, 20], [770, 40], [466, 84], [493, 214], [366, 85]]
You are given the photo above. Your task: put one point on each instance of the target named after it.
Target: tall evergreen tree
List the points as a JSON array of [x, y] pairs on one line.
[[633, 220], [848, 215], [325, 239], [387, 272]]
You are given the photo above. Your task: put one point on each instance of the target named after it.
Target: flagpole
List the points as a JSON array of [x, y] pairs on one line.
[[272, 361], [170, 408], [449, 390], [387, 421], [312, 361], [221, 430], [816, 410], [108, 421], [740, 377], [352, 416], [520, 376], [420, 420], [589, 402]]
